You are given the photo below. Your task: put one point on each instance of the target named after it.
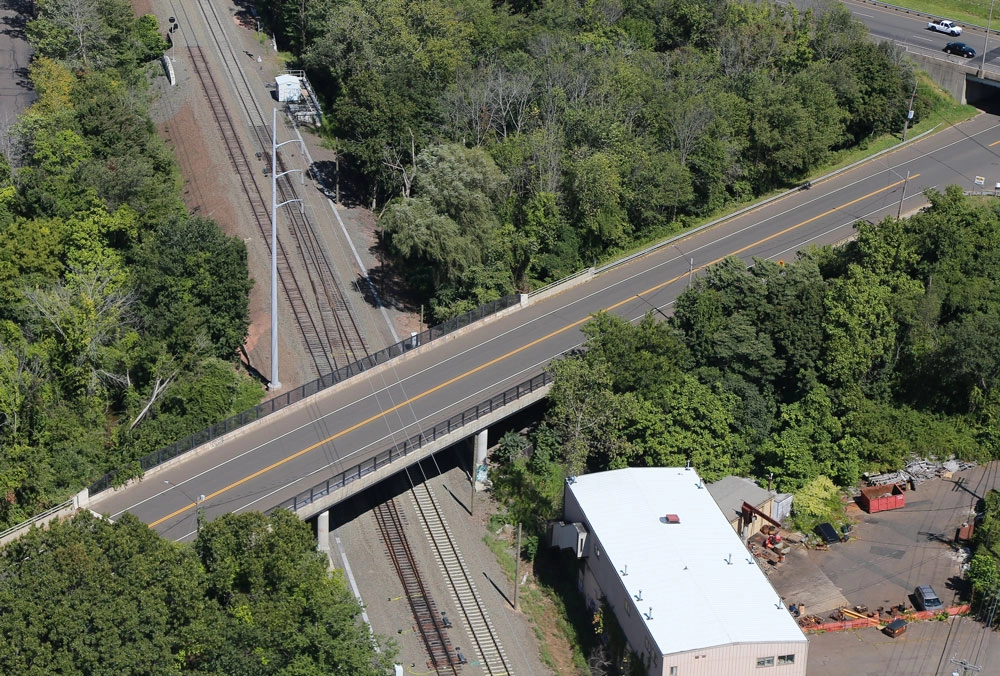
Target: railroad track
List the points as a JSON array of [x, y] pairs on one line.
[[330, 333], [347, 339], [429, 623], [490, 652], [307, 324]]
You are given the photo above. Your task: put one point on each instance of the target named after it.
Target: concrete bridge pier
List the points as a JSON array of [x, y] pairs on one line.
[[479, 466], [323, 531]]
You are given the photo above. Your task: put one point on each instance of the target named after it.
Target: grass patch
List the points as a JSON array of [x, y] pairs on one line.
[[963, 11], [551, 602]]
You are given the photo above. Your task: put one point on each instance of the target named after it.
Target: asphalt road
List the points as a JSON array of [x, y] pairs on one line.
[[910, 30], [15, 55], [260, 467]]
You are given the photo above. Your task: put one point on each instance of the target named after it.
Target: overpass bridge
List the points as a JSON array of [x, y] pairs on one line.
[[965, 80], [316, 451], [973, 81]]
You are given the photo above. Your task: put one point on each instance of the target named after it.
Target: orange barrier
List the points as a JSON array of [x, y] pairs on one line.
[[864, 623]]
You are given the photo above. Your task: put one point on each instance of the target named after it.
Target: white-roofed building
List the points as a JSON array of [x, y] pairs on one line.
[[688, 596]]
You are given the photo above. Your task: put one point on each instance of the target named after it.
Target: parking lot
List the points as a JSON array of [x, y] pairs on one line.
[[888, 555]]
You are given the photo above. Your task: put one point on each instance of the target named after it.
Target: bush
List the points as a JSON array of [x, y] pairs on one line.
[[816, 502]]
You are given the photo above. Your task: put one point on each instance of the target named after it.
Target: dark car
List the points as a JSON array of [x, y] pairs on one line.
[[960, 49], [927, 599], [827, 533]]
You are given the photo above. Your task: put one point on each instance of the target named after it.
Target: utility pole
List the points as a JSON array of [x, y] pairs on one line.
[[517, 567], [472, 476], [690, 272], [909, 111], [982, 66], [275, 383], [966, 666], [197, 503], [899, 211]]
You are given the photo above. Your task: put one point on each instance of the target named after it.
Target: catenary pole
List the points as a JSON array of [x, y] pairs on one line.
[[275, 382]]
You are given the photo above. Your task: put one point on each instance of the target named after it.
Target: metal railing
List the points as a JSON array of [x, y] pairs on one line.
[[299, 393], [416, 442], [37, 518]]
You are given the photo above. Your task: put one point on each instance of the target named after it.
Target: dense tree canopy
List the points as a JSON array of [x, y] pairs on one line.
[[252, 596], [120, 314], [610, 122], [847, 360]]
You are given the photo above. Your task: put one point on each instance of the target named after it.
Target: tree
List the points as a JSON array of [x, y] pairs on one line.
[[90, 318], [193, 281], [276, 610], [89, 596], [815, 502], [596, 197], [447, 236], [252, 596], [71, 31], [587, 415]]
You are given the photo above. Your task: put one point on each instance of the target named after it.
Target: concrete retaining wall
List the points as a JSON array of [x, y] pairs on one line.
[[948, 74]]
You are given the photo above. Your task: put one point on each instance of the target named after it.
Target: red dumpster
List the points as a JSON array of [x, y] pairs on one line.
[[880, 498]]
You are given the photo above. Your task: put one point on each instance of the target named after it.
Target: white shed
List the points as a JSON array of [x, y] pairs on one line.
[[289, 88]]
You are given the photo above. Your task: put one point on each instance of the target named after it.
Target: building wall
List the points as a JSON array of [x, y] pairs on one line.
[[754, 526], [738, 659], [601, 576]]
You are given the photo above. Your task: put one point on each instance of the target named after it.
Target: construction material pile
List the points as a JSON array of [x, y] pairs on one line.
[[918, 471]]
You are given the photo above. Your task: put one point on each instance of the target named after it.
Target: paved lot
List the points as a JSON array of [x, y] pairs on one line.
[[15, 91], [926, 649], [890, 552]]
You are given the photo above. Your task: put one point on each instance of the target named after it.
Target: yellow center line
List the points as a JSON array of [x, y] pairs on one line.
[[502, 357], [994, 143]]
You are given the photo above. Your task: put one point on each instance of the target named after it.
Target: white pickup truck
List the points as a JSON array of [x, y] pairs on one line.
[[945, 26]]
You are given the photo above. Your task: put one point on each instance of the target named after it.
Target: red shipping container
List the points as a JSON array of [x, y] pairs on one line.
[[880, 498]]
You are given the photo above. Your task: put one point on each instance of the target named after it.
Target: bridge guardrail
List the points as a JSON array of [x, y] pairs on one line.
[[291, 397], [416, 442], [286, 399], [36, 519]]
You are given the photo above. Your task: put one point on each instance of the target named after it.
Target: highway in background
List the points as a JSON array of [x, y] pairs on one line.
[[910, 31], [288, 452]]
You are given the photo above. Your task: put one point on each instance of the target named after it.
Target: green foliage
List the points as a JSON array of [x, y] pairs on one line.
[[446, 237], [120, 316], [194, 285], [611, 125], [849, 360], [984, 573], [94, 34], [984, 568], [816, 502], [251, 596], [88, 596]]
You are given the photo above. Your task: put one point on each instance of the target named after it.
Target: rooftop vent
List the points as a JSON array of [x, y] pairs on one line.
[[671, 518]]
